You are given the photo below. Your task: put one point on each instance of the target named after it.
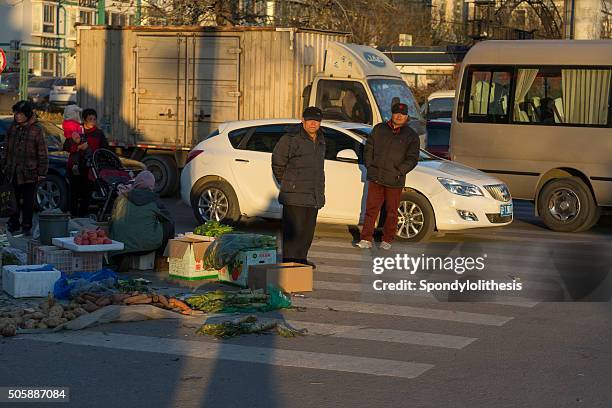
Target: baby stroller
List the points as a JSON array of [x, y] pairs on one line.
[[108, 175]]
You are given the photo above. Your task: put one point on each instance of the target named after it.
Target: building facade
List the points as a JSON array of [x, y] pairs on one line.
[[47, 30]]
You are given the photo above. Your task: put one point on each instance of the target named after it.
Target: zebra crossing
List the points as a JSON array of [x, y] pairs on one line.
[[344, 308]]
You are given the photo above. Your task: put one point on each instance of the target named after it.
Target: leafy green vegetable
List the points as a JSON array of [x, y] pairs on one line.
[[212, 229]]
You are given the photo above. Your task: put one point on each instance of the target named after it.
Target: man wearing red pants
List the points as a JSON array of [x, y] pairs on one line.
[[391, 152]]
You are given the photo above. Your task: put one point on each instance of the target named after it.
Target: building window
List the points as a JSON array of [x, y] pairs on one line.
[[48, 62], [86, 17], [49, 19]]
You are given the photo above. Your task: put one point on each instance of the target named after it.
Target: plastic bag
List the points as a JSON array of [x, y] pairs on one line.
[[276, 300], [223, 251], [67, 287]]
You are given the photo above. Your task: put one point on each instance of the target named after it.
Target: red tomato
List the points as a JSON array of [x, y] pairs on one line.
[[107, 241], [85, 242]]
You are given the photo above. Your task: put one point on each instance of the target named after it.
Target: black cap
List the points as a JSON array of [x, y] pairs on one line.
[[312, 113], [24, 107], [399, 108]]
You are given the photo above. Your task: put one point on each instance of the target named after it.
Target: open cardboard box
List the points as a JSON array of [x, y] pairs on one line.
[[290, 277], [186, 259]]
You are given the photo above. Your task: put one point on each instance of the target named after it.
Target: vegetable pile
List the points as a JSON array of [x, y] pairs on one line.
[[224, 250], [92, 301], [241, 301], [48, 314], [92, 237], [246, 325], [212, 229]]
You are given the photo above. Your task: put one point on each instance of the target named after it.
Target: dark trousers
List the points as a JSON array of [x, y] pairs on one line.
[[80, 195], [377, 194], [25, 203], [298, 231]]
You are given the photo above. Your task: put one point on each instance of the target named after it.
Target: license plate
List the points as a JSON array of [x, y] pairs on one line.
[[505, 210]]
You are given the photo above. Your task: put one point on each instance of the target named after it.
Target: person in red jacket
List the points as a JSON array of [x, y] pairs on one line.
[[81, 148]]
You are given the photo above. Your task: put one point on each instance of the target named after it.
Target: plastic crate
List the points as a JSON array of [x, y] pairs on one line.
[[32, 245], [61, 259], [41, 252], [87, 261]]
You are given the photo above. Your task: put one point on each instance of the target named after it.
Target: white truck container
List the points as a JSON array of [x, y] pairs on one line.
[[159, 90]]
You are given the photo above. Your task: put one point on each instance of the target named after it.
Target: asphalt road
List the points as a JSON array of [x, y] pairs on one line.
[[546, 345]]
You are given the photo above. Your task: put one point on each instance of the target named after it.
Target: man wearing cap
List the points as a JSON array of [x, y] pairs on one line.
[[391, 152], [298, 164]]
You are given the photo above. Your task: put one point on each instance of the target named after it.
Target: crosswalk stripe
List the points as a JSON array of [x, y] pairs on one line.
[[365, 288], [404, 311], [260, 355], [384, 335]]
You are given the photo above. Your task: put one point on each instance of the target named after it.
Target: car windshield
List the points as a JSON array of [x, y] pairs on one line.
[[66, 82], [41, 82], [441, 108], [55, 135], [364, 132], [385, 90], [9, 81]]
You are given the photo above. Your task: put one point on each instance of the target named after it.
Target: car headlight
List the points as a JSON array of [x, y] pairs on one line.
[[460, 187]]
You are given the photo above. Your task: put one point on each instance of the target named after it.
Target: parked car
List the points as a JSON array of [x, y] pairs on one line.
[[53, 191], [439, 105], [229, 174], [438, 137], [63, 92], [39, 89], [9, 91]]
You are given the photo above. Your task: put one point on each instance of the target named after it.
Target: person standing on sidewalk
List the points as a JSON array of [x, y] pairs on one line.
[[26, 163], [298, 162], [391, 152]]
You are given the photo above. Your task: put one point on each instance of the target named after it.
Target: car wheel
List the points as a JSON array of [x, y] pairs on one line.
[[567, 205], [52, 193], [215, 201], [416, 220], [166, 174]]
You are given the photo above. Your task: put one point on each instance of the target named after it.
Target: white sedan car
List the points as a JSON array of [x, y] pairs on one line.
[[229, 174]]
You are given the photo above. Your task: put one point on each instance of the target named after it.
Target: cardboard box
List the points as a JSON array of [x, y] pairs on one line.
[[185, 259], [289, 277], [19, 281], [238, 273]]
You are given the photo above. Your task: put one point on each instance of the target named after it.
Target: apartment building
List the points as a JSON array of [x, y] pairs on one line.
[[47, 29]]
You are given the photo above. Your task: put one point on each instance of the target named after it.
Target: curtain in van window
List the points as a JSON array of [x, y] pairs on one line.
[[524, 80], [586, 93]]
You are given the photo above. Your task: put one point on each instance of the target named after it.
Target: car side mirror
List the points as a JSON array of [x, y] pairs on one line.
[[347, 156]]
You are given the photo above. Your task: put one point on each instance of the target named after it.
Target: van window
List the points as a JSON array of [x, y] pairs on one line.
[[387, 91], [488, 96], [557, 96], [344, 100]]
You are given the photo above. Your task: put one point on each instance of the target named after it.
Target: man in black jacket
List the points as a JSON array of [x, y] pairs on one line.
[[391, 152], [298, 164]]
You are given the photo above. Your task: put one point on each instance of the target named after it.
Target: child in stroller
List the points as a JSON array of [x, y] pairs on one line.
[[109, 177]]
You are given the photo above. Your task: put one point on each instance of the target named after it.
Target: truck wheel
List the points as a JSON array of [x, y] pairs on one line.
[[215, 201], [416, 220], [166, 174], [567, 205]]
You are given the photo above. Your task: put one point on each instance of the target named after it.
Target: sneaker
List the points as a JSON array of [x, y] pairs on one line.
[[363, 244], [385, 245]]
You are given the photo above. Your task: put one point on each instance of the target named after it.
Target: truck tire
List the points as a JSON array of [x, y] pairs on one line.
[[165, 170], [416, 220], [217, 201], [567, 205]]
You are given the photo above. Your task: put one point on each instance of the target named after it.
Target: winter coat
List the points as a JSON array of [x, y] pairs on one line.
[[95, 140], [390, 155], [298, 164], [26, 152], [138, 220]]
